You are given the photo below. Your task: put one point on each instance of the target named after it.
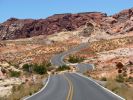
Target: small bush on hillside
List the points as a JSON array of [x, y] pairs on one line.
[[129, 79], [103, 79], [14, 74], [26, 67], [46, 64], [63, 67], [75, 59], [24, 90], [120, 78], [36, 68], [124, 74], [39, 69]]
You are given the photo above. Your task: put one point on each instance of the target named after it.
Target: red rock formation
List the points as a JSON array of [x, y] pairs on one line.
[[22, 28], [124, 15], [119, 23]]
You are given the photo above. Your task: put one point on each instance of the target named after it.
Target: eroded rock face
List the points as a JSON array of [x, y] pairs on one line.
[[88, 30], [124, 15], [119, 23], [23, 28]]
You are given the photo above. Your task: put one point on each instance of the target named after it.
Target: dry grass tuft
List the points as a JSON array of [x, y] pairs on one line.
[[120, 89]]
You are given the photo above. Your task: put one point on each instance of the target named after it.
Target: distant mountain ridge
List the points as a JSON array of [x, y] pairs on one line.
[[15, 28]]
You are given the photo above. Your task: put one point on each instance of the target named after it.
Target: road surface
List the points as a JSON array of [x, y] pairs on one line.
[[56, 89], [72, 86], [57, 60]]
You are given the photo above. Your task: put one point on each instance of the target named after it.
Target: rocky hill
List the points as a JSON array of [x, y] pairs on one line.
[[22, 28], [110, 42], [121, 22], [15, 28]]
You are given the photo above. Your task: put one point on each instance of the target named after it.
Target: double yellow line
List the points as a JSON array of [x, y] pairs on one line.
[[70, 92]]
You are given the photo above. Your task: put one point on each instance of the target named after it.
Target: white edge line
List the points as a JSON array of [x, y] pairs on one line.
[[39, 90], [100, 86]]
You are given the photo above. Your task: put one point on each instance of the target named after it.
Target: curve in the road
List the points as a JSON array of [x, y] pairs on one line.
[[73, 86], [57, 60]]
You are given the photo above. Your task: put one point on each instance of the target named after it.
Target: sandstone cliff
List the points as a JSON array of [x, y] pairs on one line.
[[22, 28], [14, 28]]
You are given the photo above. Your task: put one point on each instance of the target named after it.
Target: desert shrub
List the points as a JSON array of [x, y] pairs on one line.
[[39, 69], [129, 79], [75, 59], [14, 74], [17, 88], [26, 67], [124, 74], [120, 78], [47, 64], [36, 68], [63, 67], [20, 91], [103, 79]]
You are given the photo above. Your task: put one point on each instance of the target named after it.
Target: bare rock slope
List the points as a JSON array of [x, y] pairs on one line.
[[22, 28], [15, 28]]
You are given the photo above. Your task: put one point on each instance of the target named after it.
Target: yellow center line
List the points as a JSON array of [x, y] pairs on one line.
[[71, 97], [70, 92]]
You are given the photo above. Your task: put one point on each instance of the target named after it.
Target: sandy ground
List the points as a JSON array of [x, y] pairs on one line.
[[7, 84], [120, 52]]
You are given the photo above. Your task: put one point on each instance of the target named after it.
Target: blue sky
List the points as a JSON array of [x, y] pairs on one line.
[[43, 8]]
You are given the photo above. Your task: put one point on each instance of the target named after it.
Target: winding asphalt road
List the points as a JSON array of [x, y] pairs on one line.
[[72, 86], [57, 60]]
